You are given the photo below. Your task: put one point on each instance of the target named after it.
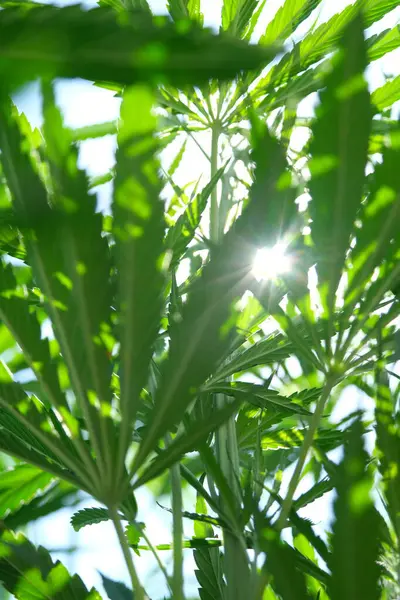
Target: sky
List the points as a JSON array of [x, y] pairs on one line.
[[84, 104]]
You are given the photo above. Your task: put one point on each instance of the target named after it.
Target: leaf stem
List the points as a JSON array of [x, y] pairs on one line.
[[177, 508], [139, 592], [307, 443]]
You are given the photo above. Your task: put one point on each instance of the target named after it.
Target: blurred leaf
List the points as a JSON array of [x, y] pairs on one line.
[[209, 573], [18, 486], [355, 540], [93, 131], [139, 230], [338, 161], [288, 581], [89, 516], [138, 49], [30, 574], [116, 590]]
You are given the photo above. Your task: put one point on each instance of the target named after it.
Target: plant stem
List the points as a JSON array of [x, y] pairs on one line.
[[138, 591], [235, 555], [307, 443], [177, 508], [214, 209]]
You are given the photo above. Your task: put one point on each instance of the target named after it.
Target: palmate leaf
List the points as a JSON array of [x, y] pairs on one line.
[[82, 266], [29, 573], [202, 336], [324, 39], [139, 230], [124, 51], [57, 266], [19, 485], [355, 540], [287, 19], [89, 516], [339, 150]]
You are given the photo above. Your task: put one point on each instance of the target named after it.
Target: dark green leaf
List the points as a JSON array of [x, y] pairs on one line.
[[339, 152], [355, 541], [89, 516], [139, 230], [30, 574], [47, 42], [116, 590]]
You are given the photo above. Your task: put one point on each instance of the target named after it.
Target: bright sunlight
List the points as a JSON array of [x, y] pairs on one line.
[[271, 262]]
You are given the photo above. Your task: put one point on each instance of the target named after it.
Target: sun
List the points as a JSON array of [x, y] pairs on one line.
[[269, 263]]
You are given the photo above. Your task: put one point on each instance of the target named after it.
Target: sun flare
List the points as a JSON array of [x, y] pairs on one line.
[[269, 263]]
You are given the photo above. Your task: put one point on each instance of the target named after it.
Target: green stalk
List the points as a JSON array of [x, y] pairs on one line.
[[138, 591], [307, 443], [235, 555], [177, 509], [214, 209]]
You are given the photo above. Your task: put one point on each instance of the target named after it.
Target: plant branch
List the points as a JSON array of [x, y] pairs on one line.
[[139, 592], [307, 443]]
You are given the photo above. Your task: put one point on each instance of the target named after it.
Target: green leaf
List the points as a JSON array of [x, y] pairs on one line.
[[209, 573], [182, 232], [324, 39], [82, 265], [18, 486], [93, 131], [195, 434], [387, 94], [287, 19], [24, 326], [139, 230], [46, 254], [273, 349], [89, 516], [208, 317], [338, 161], [47, 42], [30, 574], [387, 431], [259, 396], [376, 239], [288, 581], [116, 590], [55, 498], [185, 9], [355, 540], [317, 491], [385, 42]]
